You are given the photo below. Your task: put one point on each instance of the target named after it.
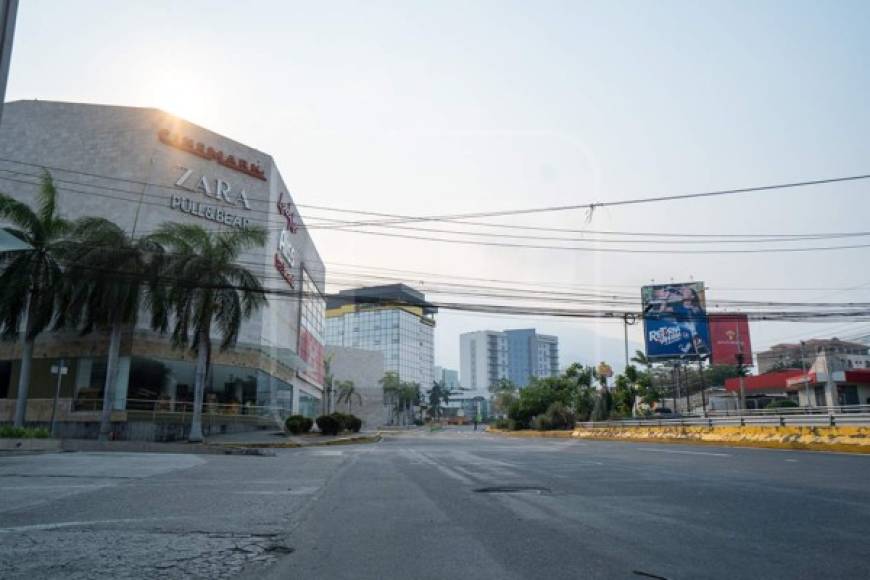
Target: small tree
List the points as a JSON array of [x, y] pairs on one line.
[[438, 397], [347, 393]]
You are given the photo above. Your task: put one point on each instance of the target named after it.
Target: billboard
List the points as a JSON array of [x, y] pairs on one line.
[[675, 321], [312, 316], [729, 335]]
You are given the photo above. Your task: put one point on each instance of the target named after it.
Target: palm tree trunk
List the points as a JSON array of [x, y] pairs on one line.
[[202, 358], [26, 364], [111, 381]]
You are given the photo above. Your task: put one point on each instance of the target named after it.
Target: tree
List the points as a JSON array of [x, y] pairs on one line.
[[439, 395], [205, 287], [31, 281], [504, 394], [346, 393], [392, 389], [106, 276], [641, 359], [328, 386]]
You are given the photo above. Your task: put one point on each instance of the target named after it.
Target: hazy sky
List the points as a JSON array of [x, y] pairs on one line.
[[443, 107]]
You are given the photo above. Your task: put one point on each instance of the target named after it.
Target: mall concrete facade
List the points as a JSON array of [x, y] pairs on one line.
[[140, 168]]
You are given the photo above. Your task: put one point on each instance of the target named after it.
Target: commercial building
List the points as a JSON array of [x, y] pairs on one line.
[[520, 355], [393, 319], [824, 373], [483, 359], [365, 368], [789, 355], [140, 168], [447, 377]]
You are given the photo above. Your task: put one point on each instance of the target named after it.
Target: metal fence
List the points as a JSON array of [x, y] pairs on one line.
[[795, 416]]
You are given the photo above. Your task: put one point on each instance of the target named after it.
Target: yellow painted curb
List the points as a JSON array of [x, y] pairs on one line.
[[848, 439]]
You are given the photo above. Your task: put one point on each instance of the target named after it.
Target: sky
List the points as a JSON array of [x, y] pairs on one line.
[[448, 107]]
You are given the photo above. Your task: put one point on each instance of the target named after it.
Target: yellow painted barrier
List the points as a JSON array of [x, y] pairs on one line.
[[817, 438]]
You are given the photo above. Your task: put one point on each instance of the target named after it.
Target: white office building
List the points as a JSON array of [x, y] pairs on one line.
[[393, 319]]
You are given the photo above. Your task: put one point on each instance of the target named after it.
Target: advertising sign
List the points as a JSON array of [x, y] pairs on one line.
[[729, 335], [312, 319], [675, 321]]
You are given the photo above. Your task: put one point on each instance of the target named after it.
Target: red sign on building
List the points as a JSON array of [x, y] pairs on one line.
[[729, 336]]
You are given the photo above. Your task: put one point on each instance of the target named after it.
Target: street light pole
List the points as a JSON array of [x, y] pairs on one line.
[[806, 376], [61, 371]]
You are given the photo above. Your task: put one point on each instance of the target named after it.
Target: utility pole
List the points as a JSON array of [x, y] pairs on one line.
[[806, 376], [740, 360], [60, 370], [688, 399], [8, 13], [701, 378]]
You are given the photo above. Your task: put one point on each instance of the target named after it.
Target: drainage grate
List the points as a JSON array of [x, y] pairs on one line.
[[533, 489]]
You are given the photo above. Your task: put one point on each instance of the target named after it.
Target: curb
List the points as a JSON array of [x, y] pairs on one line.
[[732, 438]]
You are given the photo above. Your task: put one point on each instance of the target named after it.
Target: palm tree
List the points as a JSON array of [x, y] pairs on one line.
[[641, 359], [346, 393], [439, 395], [106, 275], [204, 287], [392, 390], [328, 387], [31, 281]]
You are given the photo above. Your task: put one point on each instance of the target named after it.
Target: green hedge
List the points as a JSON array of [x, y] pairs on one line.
[[298, 424], [10, 432]]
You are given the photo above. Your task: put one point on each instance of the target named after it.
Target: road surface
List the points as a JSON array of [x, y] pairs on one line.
[[451, 504]]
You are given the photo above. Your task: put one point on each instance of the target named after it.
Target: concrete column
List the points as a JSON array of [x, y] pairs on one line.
[[83, 375], [122, 383]]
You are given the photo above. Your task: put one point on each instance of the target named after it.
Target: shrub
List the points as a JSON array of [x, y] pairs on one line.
[[514, 425], [343, 419], [541, 423], [560, 416], [329, 425], [501, 423], [297, 424], [10, 432], [780, 404], [354, 423]]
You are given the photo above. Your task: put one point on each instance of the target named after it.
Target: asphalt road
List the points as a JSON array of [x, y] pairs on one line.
[[409, 507]]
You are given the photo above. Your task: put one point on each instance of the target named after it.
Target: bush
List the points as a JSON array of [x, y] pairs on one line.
[[781, 404], [541, 423], [501, 423], [560, 417], [10, 432], [514, 425], [344, 420], [297, 424], [329, 425], [354, 423]]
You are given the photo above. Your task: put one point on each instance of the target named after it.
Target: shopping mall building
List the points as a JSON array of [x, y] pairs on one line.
[[141, 168]]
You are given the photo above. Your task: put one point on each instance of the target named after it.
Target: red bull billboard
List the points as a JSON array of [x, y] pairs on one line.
[[729, 335]]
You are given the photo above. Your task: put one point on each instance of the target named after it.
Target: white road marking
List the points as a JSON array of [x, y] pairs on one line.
[[792, 460], [76, 524], [685, 452]]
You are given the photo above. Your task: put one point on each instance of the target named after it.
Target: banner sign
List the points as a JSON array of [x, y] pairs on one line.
[[675, 321], [729, 336]]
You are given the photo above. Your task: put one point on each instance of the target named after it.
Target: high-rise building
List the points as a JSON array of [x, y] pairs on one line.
[[394, 319], [483, 359], [449, 378], [518, 355]]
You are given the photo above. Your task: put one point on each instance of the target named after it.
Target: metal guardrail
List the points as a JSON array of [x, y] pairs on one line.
[[836, 410], [781, 420]]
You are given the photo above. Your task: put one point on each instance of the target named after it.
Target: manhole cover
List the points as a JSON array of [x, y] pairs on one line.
[[534, 489]]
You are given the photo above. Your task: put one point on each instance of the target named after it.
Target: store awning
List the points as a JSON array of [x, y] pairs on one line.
[[9, 243]]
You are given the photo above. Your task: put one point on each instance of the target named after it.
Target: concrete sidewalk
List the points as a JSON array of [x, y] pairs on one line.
[[279, 439]]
